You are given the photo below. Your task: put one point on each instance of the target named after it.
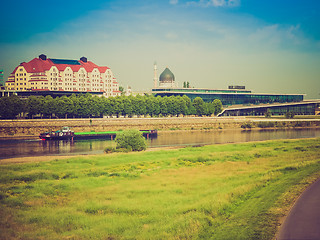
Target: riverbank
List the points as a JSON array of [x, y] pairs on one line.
[[32, 128], [189, 193]]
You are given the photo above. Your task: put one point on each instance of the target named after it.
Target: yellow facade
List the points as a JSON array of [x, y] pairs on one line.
[[64, 79]]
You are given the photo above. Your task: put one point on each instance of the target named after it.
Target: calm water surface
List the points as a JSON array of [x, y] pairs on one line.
[[20, 148]]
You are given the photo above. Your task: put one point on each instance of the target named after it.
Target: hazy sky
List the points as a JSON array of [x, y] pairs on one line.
[[267, 45]]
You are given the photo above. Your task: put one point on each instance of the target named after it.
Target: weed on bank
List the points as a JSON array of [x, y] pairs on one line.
[[232, 191]]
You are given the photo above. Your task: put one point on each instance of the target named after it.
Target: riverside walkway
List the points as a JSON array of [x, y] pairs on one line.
[[303, 221]]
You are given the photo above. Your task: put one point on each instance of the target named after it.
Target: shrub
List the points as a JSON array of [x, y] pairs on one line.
[[268, 113], [266, 124], [131, 140], [289, 115], [246, 125], [109, 149]]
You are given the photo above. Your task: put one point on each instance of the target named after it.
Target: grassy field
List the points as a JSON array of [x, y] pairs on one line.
[[232, 191]]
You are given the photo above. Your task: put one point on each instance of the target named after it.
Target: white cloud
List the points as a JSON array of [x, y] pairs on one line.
[[173, 2], [279, 36], [215, 3]]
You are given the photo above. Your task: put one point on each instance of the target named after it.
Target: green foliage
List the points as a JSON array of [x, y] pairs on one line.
[[266, 124], [246, 125], [87, 106], [121, 89], [131, 140], [11, 106], [35, 105], [289, 114], [217, 104], [199, 106], [267, 113]]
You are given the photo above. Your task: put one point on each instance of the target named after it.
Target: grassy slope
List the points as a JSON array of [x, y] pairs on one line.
[[233, 191]]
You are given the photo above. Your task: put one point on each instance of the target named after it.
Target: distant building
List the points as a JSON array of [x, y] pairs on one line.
[[234, 95], [229, 96], [60, 75], [1, 78]]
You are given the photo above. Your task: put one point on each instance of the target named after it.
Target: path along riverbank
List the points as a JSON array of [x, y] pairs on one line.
[[32, 127]]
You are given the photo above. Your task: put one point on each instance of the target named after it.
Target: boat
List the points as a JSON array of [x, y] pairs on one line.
[[64, 134]]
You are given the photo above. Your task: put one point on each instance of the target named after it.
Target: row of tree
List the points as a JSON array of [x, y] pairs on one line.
[[85, 106]]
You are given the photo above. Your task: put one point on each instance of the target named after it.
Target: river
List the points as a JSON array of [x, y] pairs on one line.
[[35, 147]]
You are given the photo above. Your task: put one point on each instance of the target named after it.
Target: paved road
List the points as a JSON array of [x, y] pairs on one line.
[[303, 221]]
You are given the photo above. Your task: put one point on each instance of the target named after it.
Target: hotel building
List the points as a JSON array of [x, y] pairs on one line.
[[65, 76]]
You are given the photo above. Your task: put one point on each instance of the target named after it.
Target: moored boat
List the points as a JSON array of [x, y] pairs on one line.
[[64, 134]]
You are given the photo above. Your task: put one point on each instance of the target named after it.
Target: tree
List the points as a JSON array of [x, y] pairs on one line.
[[34, 105], [48, 107], [118, 106], [199, 105], [11, 106], [94, 106], [139, 105], [108, 106], [181, 105], [163, 106], [83, 110], [121, 89], [127, 106], [132, 140], [209, 109], [64, 106], [188, 102], [217, 106]]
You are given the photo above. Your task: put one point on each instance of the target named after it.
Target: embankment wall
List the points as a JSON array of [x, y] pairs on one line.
[[32, 128]]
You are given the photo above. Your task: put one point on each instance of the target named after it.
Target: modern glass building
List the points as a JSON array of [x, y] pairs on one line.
[[298, 108], [229, 96]]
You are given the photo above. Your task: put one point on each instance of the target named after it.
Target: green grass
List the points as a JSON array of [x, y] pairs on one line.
[[232, 191]]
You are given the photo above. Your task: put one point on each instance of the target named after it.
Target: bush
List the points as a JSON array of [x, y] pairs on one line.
[[268, 113], [289, 115], [266, 124], [246, 125], [132, 140], [109, 149]]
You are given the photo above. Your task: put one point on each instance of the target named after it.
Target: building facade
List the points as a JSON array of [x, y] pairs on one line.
[[310, 107], [61, 75], [229, 96], [1, 78]]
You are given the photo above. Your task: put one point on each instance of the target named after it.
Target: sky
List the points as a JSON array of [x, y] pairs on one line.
[[269, 46]]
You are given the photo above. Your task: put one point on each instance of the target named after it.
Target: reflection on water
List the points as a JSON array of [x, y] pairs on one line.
[[15, 148]]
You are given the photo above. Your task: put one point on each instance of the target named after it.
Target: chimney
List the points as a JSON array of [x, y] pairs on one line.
[[84, 59], [43, 57]]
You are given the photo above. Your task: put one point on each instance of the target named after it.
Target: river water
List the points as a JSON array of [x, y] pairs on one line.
[[35, 147]]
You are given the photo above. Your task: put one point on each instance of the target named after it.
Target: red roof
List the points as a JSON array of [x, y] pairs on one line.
[[38, 65]]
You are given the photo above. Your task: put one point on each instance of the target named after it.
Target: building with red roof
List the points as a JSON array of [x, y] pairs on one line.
[[45, 74]]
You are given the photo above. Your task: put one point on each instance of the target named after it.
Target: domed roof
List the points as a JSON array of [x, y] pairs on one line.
[[166, 76]]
